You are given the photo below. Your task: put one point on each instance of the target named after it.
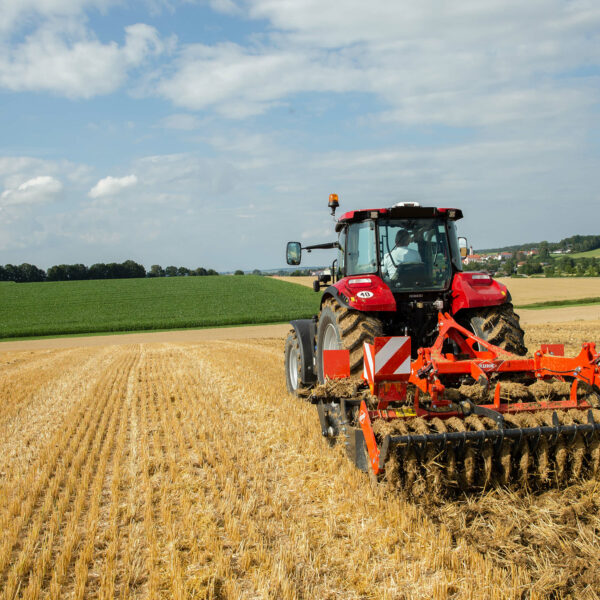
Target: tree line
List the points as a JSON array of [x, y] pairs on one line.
[[26, 273]]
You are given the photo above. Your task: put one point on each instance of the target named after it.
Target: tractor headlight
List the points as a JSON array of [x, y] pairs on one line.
[[360, 281]]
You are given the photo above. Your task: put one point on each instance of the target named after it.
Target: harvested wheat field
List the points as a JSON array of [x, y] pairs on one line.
[[180, 470]]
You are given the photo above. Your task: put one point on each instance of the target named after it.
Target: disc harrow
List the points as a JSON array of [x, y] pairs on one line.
[[466, 415]]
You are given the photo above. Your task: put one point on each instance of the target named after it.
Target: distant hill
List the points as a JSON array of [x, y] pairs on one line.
[[573, 244]]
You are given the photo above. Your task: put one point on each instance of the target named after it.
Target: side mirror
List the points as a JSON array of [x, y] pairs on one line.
[[463, 247], [293, 253]]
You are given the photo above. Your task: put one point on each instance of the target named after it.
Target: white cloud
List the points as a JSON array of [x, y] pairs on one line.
[[33, 191], [462, 64], [109, 186], [15, 12], [237, 82], [228, 7], [65, 58]]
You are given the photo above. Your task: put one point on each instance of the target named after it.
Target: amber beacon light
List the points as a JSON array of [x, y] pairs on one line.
[[333, 202]]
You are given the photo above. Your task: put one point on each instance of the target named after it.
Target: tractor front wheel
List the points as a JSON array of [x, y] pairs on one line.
[[341, 328], [498, 325], [293, 365]]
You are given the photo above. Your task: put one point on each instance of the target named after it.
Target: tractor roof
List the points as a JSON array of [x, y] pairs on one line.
[[398, 212]]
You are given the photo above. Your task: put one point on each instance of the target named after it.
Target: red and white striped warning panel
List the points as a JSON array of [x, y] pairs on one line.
[[369, 362], [392, 358]]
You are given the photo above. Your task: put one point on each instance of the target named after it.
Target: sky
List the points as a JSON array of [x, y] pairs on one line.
[[211, 132]]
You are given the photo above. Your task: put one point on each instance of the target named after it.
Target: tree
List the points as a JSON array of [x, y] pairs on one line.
[[256, 272], [156, 271], [239, 272], [200, 272], [211, 272], [132, 269], [509, 266], [171, 271], [57, 273], [30, 273], [544, 250], [183, 271], [13, 273], [98, 271], [77, 272]]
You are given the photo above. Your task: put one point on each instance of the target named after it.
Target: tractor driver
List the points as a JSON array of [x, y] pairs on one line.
[[400, 254]]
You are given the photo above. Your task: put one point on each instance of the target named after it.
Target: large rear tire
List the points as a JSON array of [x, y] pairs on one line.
[[498, 325], [341, 328]]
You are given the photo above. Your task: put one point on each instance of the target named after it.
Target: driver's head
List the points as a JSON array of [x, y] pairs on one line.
[[402, 238]]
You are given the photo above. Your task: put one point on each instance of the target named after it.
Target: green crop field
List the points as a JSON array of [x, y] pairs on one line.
[[74, 307], [589, 254]]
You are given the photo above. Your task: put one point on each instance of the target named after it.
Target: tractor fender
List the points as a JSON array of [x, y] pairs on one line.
[[306, 330], [475, 290], [333, 292], [367, 293]]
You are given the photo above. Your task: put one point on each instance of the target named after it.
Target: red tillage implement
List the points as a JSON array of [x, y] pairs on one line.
[[464, 393]]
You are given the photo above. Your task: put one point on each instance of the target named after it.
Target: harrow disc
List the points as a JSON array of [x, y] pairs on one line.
[[534, 450]]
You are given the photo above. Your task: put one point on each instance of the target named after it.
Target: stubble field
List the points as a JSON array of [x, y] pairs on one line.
[[185, 471]]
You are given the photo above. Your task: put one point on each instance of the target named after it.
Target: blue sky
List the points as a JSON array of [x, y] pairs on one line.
[[208, 133]]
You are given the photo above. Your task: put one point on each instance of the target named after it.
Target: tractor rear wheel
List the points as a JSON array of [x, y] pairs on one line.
[[341, 328], [498, 325]]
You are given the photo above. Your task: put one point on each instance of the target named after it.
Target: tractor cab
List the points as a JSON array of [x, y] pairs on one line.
[[412, 248]]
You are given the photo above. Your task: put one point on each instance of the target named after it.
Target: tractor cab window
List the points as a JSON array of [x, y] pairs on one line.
[[361, 249], [341, 254], [414, 254], [455, 253]]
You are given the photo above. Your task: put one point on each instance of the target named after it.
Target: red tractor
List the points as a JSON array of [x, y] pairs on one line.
[[459, 389], [377, 288]]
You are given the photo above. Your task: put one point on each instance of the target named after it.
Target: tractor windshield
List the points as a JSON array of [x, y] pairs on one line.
[[414, 254]]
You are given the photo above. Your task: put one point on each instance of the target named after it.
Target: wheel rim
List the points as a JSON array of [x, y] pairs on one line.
[[330, 338], [293, 363]]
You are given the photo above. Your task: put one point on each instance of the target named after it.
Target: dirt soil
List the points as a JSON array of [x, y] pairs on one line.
[[179, 335]]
